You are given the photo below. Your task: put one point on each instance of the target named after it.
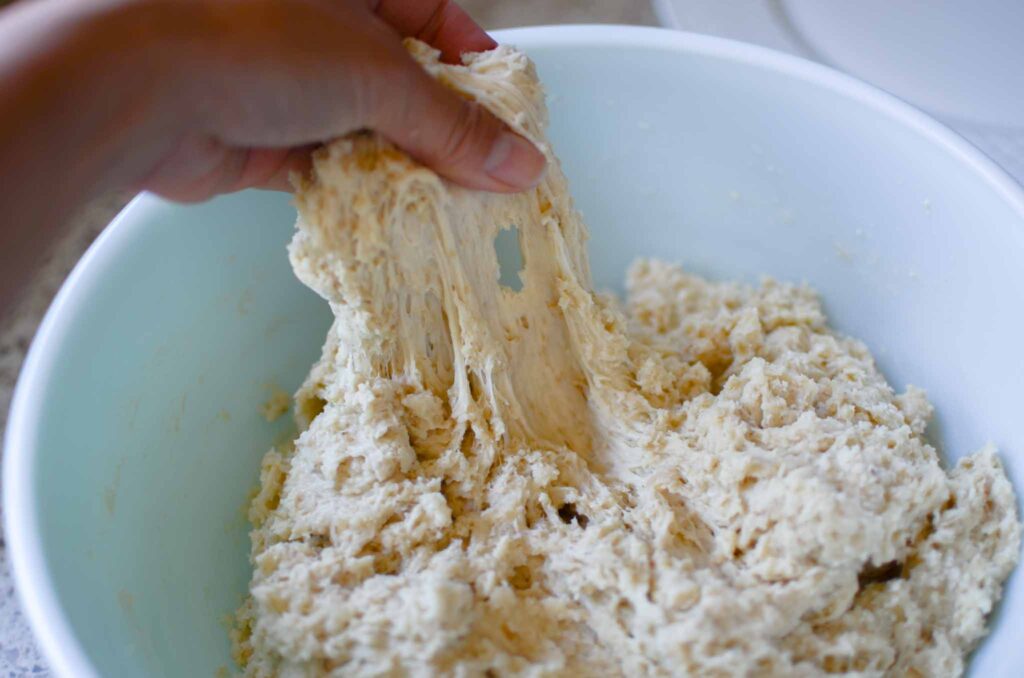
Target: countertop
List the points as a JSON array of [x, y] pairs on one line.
[[19, 655]]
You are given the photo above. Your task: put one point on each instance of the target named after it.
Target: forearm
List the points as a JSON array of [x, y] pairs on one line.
[[79, 114]]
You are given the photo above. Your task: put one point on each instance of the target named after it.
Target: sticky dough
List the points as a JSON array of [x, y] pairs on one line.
[[702, 479]]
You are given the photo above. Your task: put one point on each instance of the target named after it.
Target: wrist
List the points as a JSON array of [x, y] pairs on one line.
[[87, 105], [95, 83]]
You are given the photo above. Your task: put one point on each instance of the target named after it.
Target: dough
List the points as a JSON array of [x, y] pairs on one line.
[[702, 480]]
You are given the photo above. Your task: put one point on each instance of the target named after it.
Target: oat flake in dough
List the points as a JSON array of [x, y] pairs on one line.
[[704, 481]]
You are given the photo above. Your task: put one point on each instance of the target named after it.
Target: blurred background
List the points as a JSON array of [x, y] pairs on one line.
[[962, 62], [503, 14]]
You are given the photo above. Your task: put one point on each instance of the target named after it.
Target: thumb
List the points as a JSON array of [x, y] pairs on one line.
[[459, 139]]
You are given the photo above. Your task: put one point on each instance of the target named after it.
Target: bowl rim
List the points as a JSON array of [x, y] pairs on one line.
[[33, 582]]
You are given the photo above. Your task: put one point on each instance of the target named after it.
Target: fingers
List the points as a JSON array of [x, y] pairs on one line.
[[270, 168], [193, 170], [279, 75], [440, 23], [277, 171], [459, 139], [202, 168]]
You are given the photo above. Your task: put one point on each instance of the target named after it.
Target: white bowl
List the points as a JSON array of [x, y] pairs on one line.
[[135, 433]]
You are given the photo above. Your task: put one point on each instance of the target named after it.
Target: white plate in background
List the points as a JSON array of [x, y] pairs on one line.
[[961, 61]]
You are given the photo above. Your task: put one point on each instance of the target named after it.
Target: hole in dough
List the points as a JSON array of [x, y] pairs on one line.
[[568, 514], [509, 250]]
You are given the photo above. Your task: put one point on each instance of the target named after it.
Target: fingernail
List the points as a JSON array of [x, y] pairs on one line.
[[515, 162]]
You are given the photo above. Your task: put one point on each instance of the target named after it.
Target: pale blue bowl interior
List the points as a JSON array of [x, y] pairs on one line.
[[140, 411], [154, 433]]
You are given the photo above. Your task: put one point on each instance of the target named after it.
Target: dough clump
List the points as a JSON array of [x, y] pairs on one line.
[[702, 479]]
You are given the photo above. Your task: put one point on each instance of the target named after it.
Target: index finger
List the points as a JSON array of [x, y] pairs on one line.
[[439, 23]]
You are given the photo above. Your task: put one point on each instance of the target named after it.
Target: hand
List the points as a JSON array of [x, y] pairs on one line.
[[190, 98], [270, 77]]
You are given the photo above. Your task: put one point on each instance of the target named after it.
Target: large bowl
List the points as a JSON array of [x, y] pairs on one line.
[[135, 434]]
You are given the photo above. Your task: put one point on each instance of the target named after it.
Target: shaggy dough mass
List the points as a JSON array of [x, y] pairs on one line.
[[704, 480]]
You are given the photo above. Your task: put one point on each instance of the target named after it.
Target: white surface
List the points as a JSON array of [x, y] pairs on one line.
[[961, 61], [739, 162]]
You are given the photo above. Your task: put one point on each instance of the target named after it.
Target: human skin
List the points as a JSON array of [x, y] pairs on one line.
[[192, 98]]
